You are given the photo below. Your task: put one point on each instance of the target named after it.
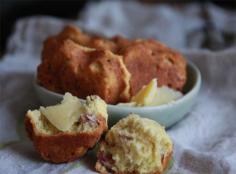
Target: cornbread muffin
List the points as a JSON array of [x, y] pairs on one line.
[[114, 68], [74, 34], [134, 145], [92, 41], [114, 44], [83, 71], [65, 132], [149, 59]]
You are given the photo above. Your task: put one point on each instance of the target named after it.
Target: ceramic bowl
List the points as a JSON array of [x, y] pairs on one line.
[[167, 114]]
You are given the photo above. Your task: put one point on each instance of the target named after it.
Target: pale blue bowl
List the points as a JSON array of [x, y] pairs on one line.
[[167, 114]]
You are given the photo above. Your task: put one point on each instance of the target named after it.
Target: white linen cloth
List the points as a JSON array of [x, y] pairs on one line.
[[204, 141]]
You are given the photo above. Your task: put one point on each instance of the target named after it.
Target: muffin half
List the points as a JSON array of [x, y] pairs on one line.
[[134, 145], [65, 131]]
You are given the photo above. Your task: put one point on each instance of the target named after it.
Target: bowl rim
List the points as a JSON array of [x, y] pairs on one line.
[[196, 86]]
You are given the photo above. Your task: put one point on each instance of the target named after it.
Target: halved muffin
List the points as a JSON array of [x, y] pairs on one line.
[[134, 145], [65, 131]]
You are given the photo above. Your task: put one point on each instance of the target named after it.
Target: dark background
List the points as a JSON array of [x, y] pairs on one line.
[[11, 10]]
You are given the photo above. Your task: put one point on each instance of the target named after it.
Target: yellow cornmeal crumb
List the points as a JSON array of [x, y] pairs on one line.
[[65, 116], [95, 105], [42, 125], [138, 144]]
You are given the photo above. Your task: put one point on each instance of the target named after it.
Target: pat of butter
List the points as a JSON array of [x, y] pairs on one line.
[[151, 95], [65, 114], [165, 95], [146, 95]]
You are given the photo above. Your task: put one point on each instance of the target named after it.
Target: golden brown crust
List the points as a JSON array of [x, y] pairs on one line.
[[100, 72], [92, 41], [148, 59], [64, 147], [67, 66], [133, 63], [74, 34], [47, 72], [103, 170]]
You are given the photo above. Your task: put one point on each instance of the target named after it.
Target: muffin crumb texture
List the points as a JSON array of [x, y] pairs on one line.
[[65, 131], [134, 145]]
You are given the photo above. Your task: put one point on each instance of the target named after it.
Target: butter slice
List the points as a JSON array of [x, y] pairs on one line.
[[151, 95], [165, 95], [146, 95], [65, 114]]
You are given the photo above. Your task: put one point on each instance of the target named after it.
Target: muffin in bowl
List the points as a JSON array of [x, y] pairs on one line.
[[134, 145], [113, 68], [64, 132]]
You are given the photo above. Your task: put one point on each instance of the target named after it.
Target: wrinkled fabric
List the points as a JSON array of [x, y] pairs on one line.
[[204, 141]]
